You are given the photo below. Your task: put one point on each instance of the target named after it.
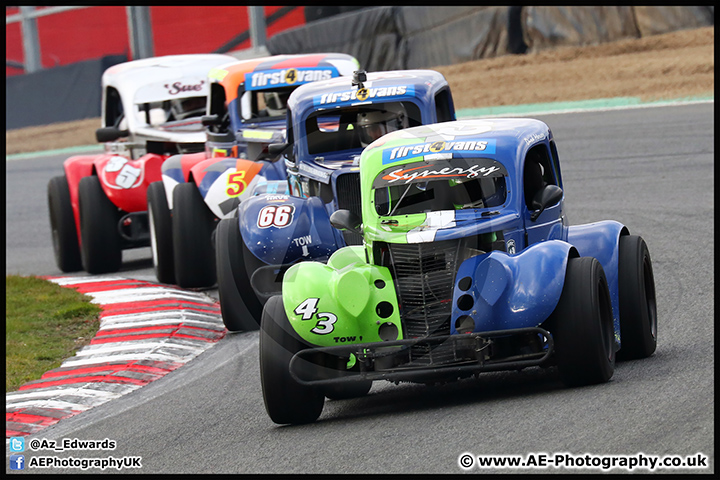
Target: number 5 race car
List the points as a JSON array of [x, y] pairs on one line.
[[246, 113], [151, 109], [468, 265]]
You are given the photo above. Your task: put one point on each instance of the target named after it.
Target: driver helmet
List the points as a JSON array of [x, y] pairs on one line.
[[275, 103], [374, 124], [187, 107]]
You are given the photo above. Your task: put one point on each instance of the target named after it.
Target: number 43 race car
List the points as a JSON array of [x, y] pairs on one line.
[[468, 265]]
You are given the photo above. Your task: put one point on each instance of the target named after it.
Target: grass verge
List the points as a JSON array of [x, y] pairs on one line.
[[44, 324]]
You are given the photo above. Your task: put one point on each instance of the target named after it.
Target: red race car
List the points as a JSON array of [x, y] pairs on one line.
[[151, 109]]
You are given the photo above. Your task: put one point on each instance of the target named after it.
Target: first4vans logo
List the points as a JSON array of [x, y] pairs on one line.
[[178, 87], [467, 147], [287, 77], [363, 94]]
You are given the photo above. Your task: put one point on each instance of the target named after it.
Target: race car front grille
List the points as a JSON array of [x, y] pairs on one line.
[[424, 276], [348, 197]]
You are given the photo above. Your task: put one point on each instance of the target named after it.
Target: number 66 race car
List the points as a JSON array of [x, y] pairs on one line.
[[328, 125], [151, 109], [468, 265]]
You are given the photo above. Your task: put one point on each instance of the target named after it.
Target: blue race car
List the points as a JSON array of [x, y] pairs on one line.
[[328, 125], [467, 265]]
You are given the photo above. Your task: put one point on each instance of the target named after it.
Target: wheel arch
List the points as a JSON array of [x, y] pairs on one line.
[[602, 241]]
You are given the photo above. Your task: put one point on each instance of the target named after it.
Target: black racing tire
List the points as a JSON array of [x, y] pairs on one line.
[[286, 401], [240, 306], [582, 325], [161, 239], [348, 390], [101, 245], [638, 310], [192, 227], [62, 226]]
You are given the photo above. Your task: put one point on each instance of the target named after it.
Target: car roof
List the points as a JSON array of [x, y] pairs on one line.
[[231, 75], [130, 76], [421, 84]]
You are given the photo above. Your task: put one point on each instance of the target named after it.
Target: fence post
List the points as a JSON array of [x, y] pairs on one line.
[[258, 37], [31, 40], [140, 32]]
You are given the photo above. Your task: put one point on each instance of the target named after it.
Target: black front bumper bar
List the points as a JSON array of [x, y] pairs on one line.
[[306, 372]]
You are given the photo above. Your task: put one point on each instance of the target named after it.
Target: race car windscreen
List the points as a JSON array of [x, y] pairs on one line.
[[455, 184], [164, 111], [355, 127], [264, 105]]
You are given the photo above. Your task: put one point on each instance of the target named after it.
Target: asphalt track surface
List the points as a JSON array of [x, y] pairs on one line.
[[650, 168]]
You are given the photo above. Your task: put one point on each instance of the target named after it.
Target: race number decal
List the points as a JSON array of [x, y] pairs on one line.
[[327, 325], [291, 76], [127, 176], [236, 184], [278, 216], [115, 164], [308, 308]]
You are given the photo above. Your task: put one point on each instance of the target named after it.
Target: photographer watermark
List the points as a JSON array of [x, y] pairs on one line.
[[586, 461]]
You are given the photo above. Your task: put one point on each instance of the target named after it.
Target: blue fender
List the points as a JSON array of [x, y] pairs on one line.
[[172, 167], [172, 175], [501, 292], [280, 229], [602, 241]]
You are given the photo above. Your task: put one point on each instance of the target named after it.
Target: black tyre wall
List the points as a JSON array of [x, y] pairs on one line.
[[286, 401], [638, 311], [582, 325], [101, 247], [192, 227], [241, 309], [161, 240], [62, 226]]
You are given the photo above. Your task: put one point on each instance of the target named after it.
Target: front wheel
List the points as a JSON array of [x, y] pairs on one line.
[[240, 306], [192, 227], [161, 241], [349, 390], [638, 311], [582, 325], [101, 247], [286, 401], [62, 226]]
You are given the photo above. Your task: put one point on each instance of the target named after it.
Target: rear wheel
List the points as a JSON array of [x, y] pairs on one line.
[[638, 312], [161, 240], [286, 401], [241, 309], [192, 227], [101, 248], [582, 325], [62, 226]]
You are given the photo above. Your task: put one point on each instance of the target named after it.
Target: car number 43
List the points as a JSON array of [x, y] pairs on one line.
[[308, 311]]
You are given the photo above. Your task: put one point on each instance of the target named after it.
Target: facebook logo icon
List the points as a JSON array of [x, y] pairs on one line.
[[17, 444], [17, 462]]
